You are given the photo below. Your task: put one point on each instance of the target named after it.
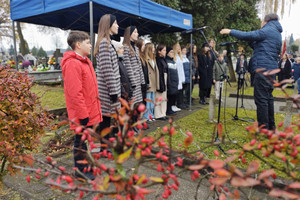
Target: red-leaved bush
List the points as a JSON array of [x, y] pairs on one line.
[[22, 117]]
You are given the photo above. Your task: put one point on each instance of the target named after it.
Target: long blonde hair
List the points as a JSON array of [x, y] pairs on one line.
[[149, 51], [103, 32], [175, 51], [126, 41]]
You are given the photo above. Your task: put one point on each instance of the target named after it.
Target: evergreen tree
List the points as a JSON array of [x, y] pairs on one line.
[[34, 51], [41, 53], [294, 47], [11, 50]]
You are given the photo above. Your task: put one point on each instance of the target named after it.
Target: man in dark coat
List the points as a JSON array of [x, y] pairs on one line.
[[266, 43]]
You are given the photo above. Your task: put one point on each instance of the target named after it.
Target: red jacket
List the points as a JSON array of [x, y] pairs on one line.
[[81, 89]]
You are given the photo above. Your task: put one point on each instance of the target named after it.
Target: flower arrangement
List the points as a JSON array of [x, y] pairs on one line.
[[42, 68], [11, 63], [51, 61]]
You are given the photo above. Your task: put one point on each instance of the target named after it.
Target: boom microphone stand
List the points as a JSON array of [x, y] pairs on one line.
[[222, 78]]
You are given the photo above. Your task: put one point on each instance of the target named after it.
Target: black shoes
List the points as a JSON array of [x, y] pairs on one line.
[[171, 112], [162, 118]]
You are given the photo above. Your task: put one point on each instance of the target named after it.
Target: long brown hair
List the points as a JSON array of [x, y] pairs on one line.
[[126, 41], [139, 43], [159, 48], [202, 52], [103, 32], [194, 54]]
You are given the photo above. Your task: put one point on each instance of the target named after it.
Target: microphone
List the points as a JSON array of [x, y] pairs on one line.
[[193, 30], [228, 43]]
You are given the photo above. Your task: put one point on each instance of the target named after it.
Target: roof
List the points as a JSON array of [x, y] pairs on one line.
[[148, 16]]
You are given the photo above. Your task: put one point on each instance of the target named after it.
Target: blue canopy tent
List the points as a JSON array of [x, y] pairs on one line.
[[148, 16]]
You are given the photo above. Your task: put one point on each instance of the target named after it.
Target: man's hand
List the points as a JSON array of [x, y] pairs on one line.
[[225, 31]]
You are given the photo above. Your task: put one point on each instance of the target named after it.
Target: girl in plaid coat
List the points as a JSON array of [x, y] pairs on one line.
[[133, 64], [108, 75]]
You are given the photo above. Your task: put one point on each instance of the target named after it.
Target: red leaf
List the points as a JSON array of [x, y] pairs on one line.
[[253, 167], [268, 183], [220, 129], [196, 167], [28, 159], [218, 180], [188, 141], [216, 164], [105, 131], [295, 185], [266, 174], [223, 172], [241, 182], [222, 197], [124, 103], [275, 193], [248, 147], [230, 159], [274, 71]]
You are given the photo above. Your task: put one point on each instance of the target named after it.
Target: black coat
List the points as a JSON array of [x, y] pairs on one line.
[[238, 66], [205, 71], [162, 66], [126, 88], [173, 80], [285, 72]]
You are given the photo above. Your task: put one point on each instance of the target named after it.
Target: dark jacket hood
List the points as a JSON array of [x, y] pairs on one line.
[[274, 24]]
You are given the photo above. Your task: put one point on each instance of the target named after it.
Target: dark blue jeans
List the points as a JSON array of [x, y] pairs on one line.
[[264, 101]]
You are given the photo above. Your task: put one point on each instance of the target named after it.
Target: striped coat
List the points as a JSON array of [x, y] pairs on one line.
[[108, 76], [134, 69]]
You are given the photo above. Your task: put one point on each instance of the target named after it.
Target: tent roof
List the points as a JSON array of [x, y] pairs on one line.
[[148, 16]]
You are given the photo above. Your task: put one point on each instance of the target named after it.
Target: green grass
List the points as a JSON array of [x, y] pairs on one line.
[[248, 90], [52, 97], [202, 130]]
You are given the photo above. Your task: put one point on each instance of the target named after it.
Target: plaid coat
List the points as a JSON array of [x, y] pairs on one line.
[[108, 76], [135, 72]]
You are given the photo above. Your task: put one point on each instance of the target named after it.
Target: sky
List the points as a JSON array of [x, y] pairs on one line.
[[289, 22]]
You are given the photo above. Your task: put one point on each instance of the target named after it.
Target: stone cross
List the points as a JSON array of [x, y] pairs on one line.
[[211, 108]]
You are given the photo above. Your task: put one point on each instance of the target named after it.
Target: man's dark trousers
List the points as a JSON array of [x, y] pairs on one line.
[[264, 101]]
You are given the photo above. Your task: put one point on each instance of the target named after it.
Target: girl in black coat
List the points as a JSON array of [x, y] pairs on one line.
[[285, 67], [205, 80], [161, 92], [172, 82]]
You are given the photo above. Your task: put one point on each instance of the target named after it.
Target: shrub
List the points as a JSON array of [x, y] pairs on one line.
[[22, 117]]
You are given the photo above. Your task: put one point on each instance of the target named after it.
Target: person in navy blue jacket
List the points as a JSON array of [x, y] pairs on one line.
[[266, 43], [296, 72]]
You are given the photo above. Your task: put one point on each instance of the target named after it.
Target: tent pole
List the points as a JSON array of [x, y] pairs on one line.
[[15, 46], [191, 70], [92, 29]]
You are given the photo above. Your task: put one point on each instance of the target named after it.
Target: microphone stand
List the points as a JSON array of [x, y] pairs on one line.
[[240, 86], [191, 70], [222, 78]]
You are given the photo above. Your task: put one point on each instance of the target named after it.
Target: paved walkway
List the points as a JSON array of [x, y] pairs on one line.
[[18, 188]]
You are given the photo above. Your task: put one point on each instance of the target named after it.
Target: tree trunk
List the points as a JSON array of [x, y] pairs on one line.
[[230, 66], [23, 44]]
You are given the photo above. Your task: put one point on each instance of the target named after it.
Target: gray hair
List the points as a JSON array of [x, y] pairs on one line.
[[271, 17]]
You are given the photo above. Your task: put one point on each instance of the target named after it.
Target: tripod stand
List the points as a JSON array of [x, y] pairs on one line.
[[222, 78], [240, 88]]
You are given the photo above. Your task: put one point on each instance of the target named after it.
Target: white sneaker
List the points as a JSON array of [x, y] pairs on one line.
[[174, 108]]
